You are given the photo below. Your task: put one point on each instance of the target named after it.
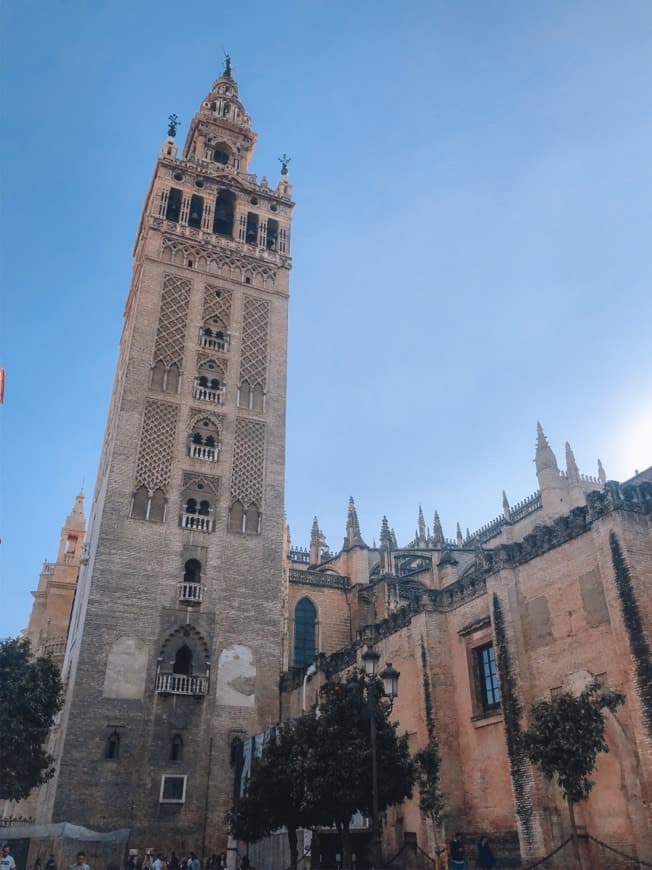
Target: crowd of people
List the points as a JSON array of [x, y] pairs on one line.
[[189, 861]]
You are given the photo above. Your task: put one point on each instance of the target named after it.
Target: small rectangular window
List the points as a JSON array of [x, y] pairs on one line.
[[173, 789], [488, 677], [251, 236]]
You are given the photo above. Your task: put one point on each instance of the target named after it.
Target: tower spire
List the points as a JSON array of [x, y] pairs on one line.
[[602, 476], [385, 535], [507, 511], [421, 526], [571, 466], [545, 459], [353, 537], [437, 533], [460, 539]]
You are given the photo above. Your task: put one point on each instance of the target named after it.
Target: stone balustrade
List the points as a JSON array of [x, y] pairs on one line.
[[190, 593], [181, 684], [198, 522]]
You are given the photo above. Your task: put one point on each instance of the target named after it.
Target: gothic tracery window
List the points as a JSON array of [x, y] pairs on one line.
[[305, 622]]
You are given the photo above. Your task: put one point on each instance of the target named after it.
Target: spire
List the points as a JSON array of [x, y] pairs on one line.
[[385, 535], [394, 541], [602, 477], [572, 470], [353, 537], [315, 533], [422, 526], [507, 511], [437, 533], [76, 518], [544, 458], [460, 539]]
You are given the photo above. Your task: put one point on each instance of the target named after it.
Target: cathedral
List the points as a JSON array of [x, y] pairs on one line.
[[196, 624]]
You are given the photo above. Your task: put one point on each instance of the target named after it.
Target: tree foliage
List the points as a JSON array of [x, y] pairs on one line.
[[30, 697], [567, 733], [340, 762], [276, 794], [428, 768], [318, 771]]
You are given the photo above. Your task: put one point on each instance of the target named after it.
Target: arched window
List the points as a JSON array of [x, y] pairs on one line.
[[236, 517], [305, 620], [174, 205], [140, 503], [192, 571], [209, 441], [183, 661], [221, 154], [252, 519], [258, 398], [176, 748], [191, 506], [204, 508], [272, 234], [196, 212], [157, 506], [224, 212], [158, 376], [172, 379], [197, 438], [251, 236], [112, 746], [244, 394]]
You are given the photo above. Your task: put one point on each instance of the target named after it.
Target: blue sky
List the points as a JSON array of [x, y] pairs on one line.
[[471, 241]]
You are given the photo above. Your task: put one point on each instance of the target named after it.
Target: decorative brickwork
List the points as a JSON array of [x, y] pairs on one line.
[[156, 445], [219, 365], [248, 462], [171, 332], [253, 364], [217, 305], [208, 258], [202, 482]]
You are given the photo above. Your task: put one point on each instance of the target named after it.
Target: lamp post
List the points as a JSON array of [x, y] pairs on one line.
[[389, 676]]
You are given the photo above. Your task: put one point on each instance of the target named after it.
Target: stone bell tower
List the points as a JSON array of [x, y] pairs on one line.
[[174, 647]]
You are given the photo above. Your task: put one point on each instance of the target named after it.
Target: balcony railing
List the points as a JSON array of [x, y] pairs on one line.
[[214, 343], [201, 451], [180, 684], [209, 394], [199, 522], [69, 558], [191, 593]]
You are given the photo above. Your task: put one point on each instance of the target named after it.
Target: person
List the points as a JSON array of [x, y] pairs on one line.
[[80, 864], [194, 863], [6, 860], [244, 864], [457, 853], [37, 864], [51, 864], [222, 864], [485, 855], [158, 863], [213, 862], [173, 863]]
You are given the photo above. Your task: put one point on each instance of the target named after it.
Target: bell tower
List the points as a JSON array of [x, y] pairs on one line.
[[174, 648]]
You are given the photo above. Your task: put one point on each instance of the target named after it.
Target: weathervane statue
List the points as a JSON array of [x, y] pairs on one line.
[[284, 160], [173, 123]]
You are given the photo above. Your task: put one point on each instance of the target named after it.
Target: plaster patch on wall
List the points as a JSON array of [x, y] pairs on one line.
[[126, 669], [593, 600], [236, 677]]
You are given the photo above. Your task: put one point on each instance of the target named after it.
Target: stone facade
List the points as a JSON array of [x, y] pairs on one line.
[[174, 646], [560, 601]]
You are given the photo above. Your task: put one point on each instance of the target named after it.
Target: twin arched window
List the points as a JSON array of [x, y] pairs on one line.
[[165, 379], [247, 521], [305, 633], [146, 507]]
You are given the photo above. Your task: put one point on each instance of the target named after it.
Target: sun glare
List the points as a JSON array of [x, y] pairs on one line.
[[635, 444]]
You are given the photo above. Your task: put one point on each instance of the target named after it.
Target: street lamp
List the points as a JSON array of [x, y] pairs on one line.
[[389, 676]]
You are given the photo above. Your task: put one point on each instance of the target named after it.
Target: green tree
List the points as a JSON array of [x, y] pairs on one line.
[[30, 697], [339, 761], [564, 738], [276, 794], [428, 771]]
